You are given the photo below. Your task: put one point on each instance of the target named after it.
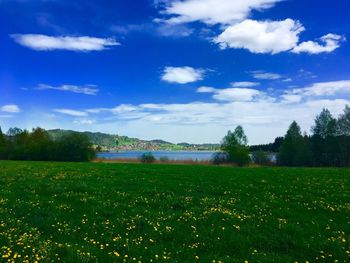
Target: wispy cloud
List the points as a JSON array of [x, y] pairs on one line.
[[232, 94], [182, 75], [47, 43], [323, 89], [263, 75], [265, 116], [87, 90], [244, 84], [70, 112], [11, 108], [84, 122]]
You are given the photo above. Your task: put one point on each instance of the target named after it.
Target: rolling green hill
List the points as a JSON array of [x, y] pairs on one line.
[[109, 142]]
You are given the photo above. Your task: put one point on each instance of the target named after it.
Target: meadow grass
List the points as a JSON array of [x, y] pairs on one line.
[[98, 212]]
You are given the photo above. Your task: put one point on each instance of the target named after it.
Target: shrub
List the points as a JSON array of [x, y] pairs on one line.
[[164, 159], [39, 146], [74, 147], [235, 145], [220, 158], [261, 158], [147, 158]]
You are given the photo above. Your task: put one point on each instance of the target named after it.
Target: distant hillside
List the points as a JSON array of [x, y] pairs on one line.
[[109, 142]]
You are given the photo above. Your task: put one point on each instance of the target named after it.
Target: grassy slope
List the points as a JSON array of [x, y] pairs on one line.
[[116, 212]]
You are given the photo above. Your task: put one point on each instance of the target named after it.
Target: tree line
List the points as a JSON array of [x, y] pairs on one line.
[[37, 145], [328, 145]]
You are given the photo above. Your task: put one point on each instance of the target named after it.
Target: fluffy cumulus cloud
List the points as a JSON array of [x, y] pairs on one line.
[[11, 108], [329, 43], [87, 90], [182, 75], [213, 11], [261, 36], [47, 43], [240, 32]]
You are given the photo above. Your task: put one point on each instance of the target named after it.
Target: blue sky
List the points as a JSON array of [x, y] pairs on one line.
[[175, 70]]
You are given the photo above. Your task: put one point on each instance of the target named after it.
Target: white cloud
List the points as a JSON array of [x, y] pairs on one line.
[[322, 89], [213, 11], [329, 42], [70, 112], [206, 90], [11, 108], [244, 84], [84, 122], [291, 98], [265, 75], [168, 30], [199, 122], [236, 94], [87, 90], [240, 32], [263, 116], [182, 75], [232, 94], [46, 43], [261, 36]]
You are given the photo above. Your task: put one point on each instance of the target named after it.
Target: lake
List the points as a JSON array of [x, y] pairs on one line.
[[171, 155]]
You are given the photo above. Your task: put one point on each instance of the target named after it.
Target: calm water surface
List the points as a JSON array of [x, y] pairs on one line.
[[175, 156]]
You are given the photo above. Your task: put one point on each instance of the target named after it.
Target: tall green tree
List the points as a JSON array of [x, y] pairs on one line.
[[343, 138], [325, 125], [40, 145], [294, 150], [326, 146], [235, 145], [2, 145], [344, 122]]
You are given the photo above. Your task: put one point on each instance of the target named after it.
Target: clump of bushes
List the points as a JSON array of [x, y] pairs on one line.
[[220, 158], [235, 144], [164, 159], [37, 145], [261, 158], [147, 158]]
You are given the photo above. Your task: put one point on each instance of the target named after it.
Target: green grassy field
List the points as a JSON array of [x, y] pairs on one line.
[[90, 212]]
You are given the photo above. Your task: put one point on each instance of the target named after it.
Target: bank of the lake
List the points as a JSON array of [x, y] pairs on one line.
[[170, 155]]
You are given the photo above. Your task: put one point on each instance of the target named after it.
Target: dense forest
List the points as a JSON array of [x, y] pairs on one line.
[[328, 145]]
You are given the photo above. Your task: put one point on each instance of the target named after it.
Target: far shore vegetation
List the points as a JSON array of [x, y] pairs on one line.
[[328, 145]]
